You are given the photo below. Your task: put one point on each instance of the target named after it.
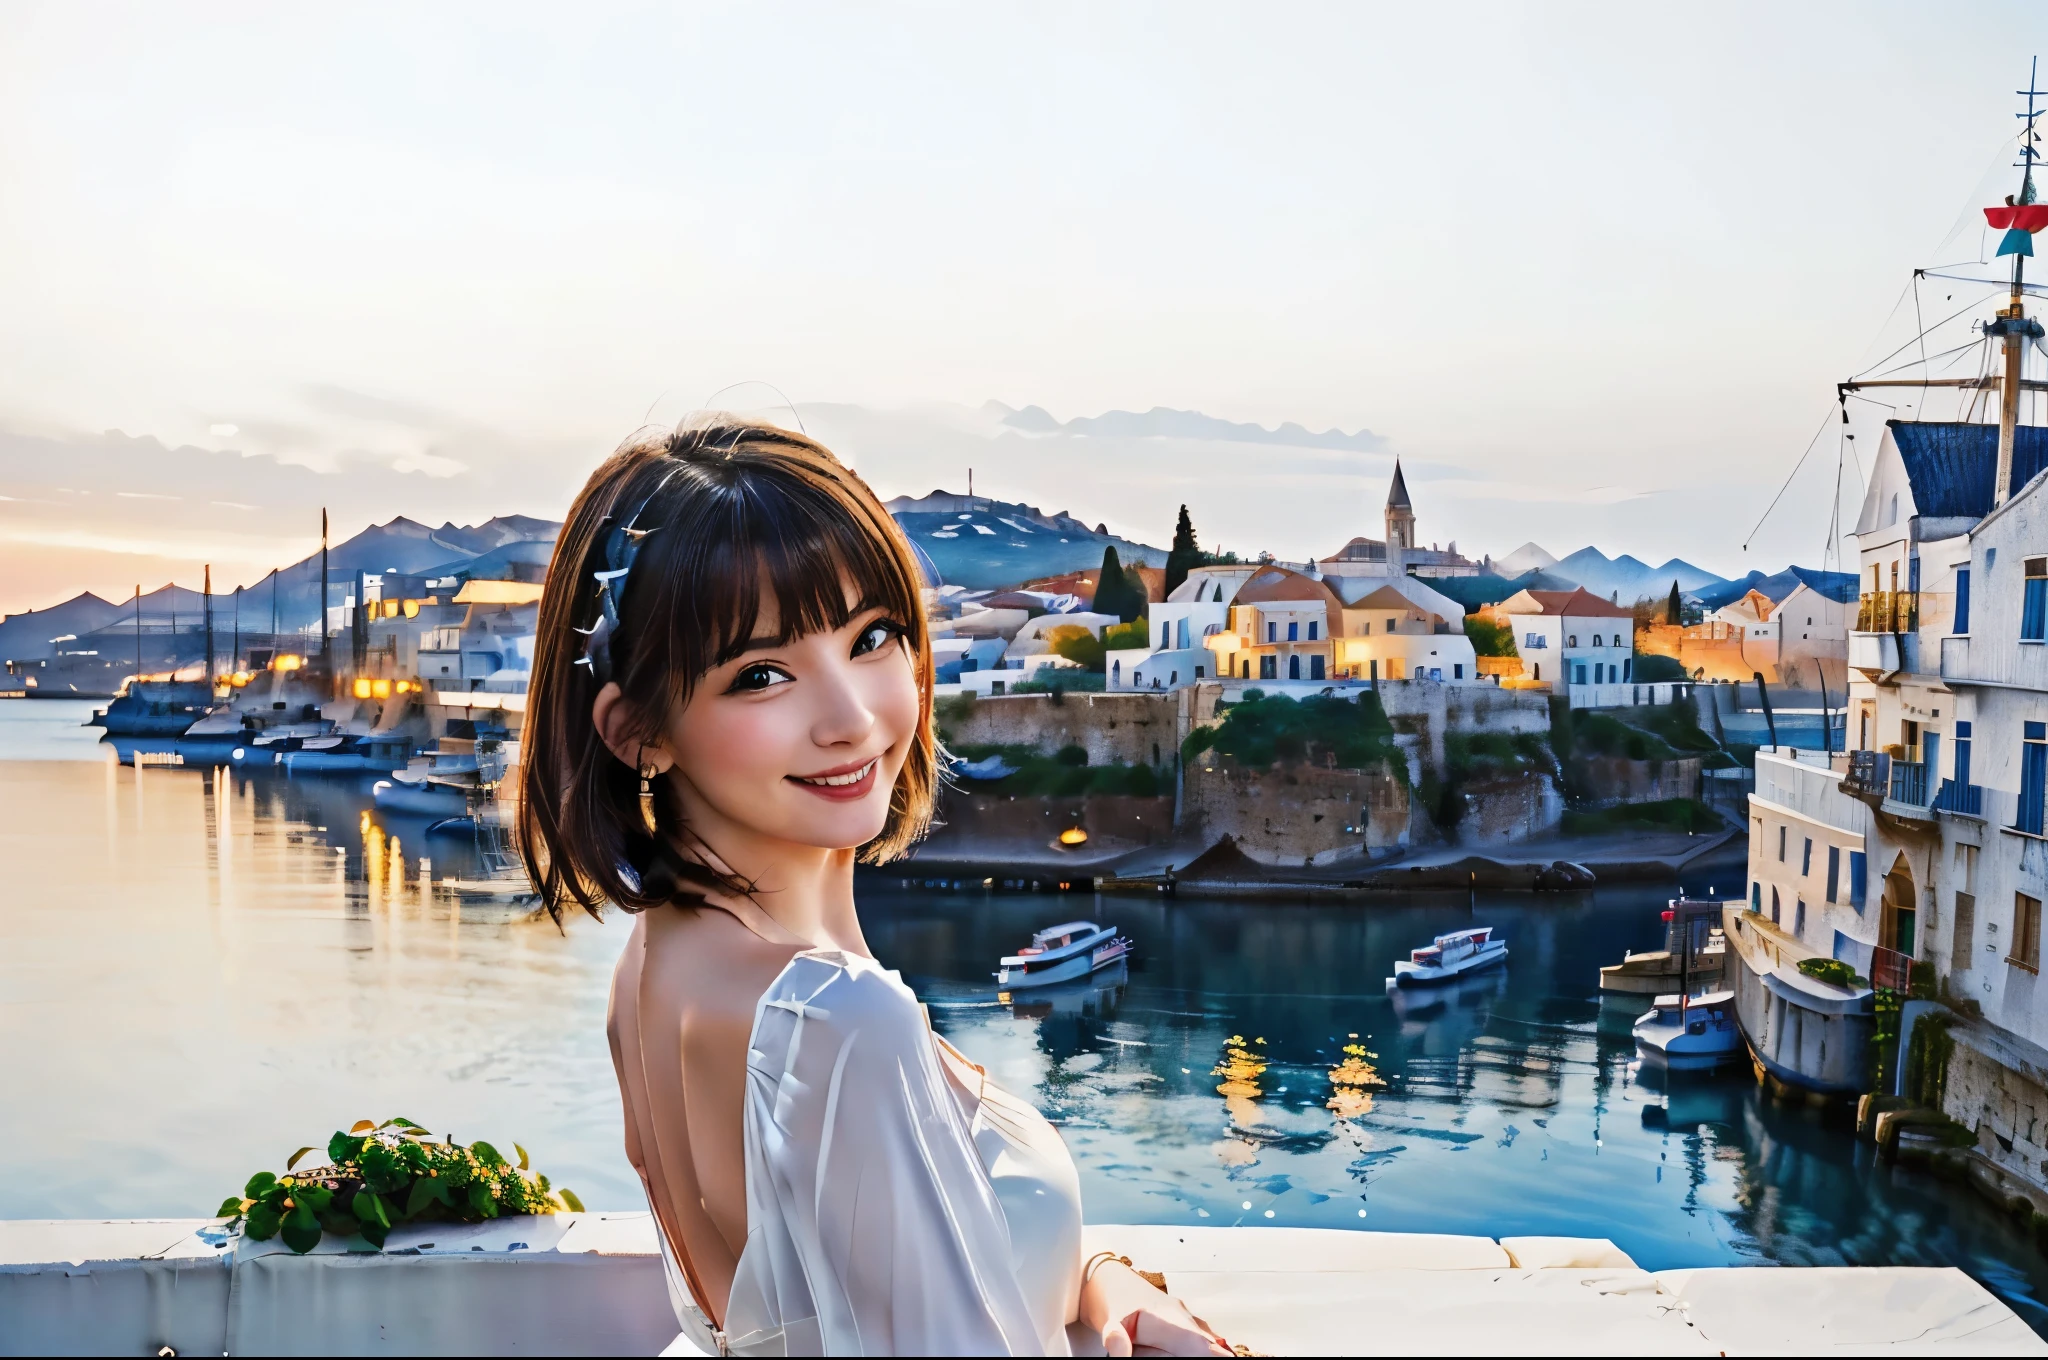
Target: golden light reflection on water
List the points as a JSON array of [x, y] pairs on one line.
[[218, 968]]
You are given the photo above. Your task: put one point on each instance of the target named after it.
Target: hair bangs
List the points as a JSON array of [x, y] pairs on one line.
[[737, 524]]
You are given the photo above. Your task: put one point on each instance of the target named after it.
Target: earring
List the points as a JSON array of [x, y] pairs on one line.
[[647, 774]]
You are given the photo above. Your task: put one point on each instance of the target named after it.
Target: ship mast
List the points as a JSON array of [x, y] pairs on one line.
[[2012, 324]]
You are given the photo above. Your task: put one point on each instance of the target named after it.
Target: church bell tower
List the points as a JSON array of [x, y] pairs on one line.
[[1400, 524]]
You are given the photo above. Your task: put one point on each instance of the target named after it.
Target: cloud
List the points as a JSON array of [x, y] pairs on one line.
[[1162, 422]]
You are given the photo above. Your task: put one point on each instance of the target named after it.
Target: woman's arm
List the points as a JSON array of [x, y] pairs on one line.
[[1127, 1310]]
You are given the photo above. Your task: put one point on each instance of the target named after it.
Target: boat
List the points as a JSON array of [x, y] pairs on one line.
[[154, 708], [1062, 952], [1449, 956], [1690, 1033], [1654, 972]]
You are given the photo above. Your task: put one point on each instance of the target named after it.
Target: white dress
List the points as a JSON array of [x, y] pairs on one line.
[[898, 1202]]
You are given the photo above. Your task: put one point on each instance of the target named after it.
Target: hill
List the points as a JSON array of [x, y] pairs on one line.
[[1626, 579], [981, 544], [31, 636]]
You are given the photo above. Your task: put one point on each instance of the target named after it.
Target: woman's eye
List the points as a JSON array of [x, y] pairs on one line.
[[875, 637], [758, 677]]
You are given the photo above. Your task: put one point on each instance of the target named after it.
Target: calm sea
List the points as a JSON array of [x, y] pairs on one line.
[[201, 972]]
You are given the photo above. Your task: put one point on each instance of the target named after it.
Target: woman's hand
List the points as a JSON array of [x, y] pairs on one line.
[[1127, 1311]]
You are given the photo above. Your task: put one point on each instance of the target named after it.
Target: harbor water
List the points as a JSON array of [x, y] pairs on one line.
[[200, 972]]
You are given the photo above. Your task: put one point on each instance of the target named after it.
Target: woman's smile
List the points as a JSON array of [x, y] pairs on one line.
[[844, 784]]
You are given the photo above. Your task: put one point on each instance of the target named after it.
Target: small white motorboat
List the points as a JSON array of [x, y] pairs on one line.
[[1690, 1033], [1061, 953], [1449, 956]]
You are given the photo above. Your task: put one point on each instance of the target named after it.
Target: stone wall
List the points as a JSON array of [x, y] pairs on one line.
[[1428, 711], [1114, 729], [1293, 814], [974, 827], [1503, 809], [1612, 779], [2003, 1099]]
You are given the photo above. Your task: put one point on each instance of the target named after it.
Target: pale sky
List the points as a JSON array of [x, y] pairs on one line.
[[1591, 271]]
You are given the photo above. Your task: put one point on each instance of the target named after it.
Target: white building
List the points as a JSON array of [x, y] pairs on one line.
[[1570, 637], [1179, 628], [1948, 702]]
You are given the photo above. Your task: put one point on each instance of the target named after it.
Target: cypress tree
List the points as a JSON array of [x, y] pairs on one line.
[[1184, 554], [1672, 612], [1111, 587]]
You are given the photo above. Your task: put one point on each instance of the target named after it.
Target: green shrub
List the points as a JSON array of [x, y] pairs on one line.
[[1831, 970], [1077, 644], [1490, 638], [380, 1175], [1058, 680], [1066, 774], [1259, 730], [1124, 637]]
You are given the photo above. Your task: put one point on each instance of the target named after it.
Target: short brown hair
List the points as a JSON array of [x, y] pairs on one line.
[[733, 506]]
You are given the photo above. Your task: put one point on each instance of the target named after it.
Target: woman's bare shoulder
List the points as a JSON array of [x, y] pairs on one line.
[[709, 962]]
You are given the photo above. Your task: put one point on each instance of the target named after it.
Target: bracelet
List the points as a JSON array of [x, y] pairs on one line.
[[1155, 1278]]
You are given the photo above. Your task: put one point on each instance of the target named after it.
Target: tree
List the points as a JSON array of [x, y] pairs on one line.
[[1673, 611], [1076, 644], [1184, 554], [1113, 590]]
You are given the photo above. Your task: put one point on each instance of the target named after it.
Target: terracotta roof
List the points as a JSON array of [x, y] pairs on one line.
[[1279, 583], [1579, 603]]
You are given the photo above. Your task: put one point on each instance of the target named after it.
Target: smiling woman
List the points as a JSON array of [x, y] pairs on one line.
[[732, 701]]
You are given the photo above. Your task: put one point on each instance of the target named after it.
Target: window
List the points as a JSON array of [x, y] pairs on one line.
[[1294, 667], [1272, 632], [2026, 932], [1458, 671], [1963, 945], [1201, 671], [1311, 630], [1596, 639], [1834, 872], [1268, 669], [1781, 844], [1962, 623], [1165, 636], [2034, 604], [1293, 631], [1857, 863], [1572, 641], [1315, 667], [1365, 627], [1756, 896], [1962, 756], [1806, 859], [1799, 917], [1774, 906], [2033, 776], [1181, 634]]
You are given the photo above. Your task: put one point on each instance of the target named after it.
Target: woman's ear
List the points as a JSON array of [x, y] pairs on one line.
[[612, 716]]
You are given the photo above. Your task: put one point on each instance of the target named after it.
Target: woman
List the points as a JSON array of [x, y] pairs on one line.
[[731, 701]]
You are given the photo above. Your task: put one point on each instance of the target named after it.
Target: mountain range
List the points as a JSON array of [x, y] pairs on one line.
[[979, 543], [1624, 578]]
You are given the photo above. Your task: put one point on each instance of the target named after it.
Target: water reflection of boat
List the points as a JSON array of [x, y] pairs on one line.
[[1061, 953], [1692, 1100], [1422, 1003], [1449, 956], [1095, 996]]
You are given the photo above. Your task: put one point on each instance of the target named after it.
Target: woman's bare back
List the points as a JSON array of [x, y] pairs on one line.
[[682, 1010]]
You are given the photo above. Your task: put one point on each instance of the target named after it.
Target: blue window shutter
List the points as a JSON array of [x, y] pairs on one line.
[[2034, 610], [2033, 782], [1962, 624], [1858, 870], [1834, 871], [1756, 896]]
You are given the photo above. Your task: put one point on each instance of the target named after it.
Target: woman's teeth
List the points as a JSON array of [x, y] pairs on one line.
[[832, 781]]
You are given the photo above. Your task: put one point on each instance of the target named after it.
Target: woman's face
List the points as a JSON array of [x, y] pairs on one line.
[[799, 743]]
